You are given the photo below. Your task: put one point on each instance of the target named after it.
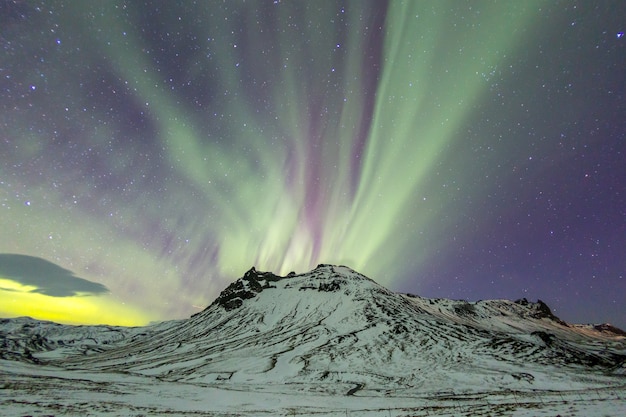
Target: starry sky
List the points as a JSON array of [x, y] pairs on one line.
[[153, 151]]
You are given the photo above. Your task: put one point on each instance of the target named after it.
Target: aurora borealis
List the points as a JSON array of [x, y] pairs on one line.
[[457, 149]]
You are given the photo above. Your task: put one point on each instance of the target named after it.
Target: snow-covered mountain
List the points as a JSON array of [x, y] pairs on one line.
[[335, 331], [333, 324]]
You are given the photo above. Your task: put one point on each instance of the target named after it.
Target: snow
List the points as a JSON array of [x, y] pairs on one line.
[[329, 342], [35, 390]]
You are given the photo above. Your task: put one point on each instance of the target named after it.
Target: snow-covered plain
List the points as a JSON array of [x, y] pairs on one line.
[[330, 342]]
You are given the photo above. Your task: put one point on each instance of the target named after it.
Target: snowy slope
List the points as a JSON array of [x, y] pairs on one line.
[[334, 332], [36, 341]]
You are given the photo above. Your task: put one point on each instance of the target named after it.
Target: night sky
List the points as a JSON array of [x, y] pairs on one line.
[[152, 152]]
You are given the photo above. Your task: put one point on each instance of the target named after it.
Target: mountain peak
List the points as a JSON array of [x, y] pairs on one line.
[[324, 278], [246, 287], [540, 310]]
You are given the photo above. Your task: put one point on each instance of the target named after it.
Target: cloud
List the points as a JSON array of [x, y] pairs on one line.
[[48, 278]]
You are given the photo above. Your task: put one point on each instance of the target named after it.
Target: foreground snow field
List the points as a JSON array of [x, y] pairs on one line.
[[330, 342], [46, 391]]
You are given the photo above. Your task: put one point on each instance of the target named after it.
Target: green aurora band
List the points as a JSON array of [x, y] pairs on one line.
[[320, 146]]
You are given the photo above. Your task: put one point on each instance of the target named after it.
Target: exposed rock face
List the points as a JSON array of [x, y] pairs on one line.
[[252, 283], [608, 328], [541, 310]]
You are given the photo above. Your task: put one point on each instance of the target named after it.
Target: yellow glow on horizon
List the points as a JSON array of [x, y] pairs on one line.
[[17, 300]]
